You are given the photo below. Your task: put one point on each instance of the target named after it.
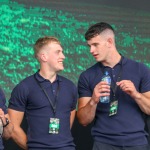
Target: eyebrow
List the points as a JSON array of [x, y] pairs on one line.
[[93, 44]]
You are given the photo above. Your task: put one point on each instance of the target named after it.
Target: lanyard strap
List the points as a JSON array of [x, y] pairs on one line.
[[114, 89], [53, 105]]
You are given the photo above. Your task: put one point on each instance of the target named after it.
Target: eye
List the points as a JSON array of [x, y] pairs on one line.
[[58, 51], [95, 44]]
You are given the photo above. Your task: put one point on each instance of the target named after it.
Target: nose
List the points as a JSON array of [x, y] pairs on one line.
[[63, 56], [91, 49]]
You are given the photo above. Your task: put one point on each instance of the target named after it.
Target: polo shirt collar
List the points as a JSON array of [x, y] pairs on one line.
[[122, 61], [41, 79]]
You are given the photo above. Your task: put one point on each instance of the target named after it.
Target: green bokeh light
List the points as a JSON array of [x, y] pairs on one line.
[[21, 26]]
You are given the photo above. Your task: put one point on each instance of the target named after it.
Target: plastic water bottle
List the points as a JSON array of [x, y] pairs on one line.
[[106, 78]]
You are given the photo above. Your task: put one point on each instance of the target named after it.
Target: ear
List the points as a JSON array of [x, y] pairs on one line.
[[109, 42], [43, 57]]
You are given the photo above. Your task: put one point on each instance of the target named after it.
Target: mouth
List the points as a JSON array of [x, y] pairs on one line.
[[60, 62], [95, 56]]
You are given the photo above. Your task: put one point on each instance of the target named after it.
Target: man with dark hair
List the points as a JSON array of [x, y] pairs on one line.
[[119, 124], [48, 101], [6, 126]]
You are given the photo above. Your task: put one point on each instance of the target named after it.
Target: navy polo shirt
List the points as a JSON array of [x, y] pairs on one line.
[[28, 97], [126, 128], [4, 108]]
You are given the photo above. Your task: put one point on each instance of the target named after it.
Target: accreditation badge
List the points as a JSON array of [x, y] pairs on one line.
[[113, 108], [54, 126]]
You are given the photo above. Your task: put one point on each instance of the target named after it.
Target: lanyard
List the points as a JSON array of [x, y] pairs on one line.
[[114, 88], [53, 105]]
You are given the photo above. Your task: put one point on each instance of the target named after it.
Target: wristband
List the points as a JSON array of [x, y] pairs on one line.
[[7, 122]]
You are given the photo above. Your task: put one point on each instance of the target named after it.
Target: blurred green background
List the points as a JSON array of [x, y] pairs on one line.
[[22, 22]]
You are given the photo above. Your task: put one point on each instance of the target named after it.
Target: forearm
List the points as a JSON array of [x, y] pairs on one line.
[[86, 114], [72, 117], [20, 138], [143, 101]]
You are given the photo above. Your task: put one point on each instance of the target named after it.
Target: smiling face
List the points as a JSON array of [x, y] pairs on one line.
[[49, 53], [55, 56], [52, 57]]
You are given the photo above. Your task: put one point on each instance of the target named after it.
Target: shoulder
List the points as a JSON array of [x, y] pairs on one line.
[[67, 84], [25, 84], [90, 73], [135, 64], [27, 81], [91, 70], [65, 80]]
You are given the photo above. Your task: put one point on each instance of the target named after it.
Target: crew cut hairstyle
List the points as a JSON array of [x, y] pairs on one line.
[[41, 42], [96, 29]]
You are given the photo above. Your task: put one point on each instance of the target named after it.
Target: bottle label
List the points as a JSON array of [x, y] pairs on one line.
[[106, 99], [107, 79]]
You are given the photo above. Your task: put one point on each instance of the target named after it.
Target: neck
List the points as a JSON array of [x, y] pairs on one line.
[[51, 76], [113, 60]]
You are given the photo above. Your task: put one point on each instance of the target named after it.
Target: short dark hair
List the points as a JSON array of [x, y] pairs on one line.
[[96, 29]]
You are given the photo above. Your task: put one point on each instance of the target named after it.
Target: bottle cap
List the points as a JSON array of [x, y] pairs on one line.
[[106, 72]]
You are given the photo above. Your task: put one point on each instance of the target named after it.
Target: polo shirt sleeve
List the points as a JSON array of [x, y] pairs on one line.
[[3, 102], [145, 78], [83, 86], [18, 99], [75, 97]]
